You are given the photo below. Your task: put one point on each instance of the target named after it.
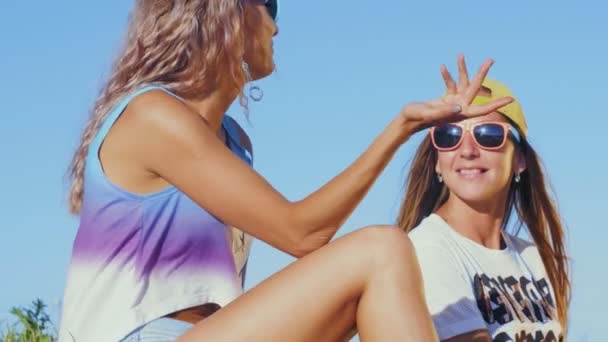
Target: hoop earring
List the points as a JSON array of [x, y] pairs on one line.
[[255, 92]]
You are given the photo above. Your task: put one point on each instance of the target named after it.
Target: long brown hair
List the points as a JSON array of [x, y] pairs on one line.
[[529, 199], [187, 46]]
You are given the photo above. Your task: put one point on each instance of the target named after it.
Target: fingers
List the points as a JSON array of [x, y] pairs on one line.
[[448, 80], [461, 93], [488, 108], [445, 113], [441, 112], [463, 82], [475, 84], [426, 113]]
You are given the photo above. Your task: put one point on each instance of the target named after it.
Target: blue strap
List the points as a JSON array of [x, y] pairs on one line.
[[237, 138], [120, 107]]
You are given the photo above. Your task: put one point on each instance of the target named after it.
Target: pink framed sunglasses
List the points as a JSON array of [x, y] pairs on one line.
[[487, 135]]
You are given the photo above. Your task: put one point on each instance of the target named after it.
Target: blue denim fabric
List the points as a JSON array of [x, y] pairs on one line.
[[160, 330]]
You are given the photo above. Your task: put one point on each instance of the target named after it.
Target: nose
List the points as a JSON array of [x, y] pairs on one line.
[[468, 148]]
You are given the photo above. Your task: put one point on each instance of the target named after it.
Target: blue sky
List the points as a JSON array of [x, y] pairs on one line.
[[345, 68]]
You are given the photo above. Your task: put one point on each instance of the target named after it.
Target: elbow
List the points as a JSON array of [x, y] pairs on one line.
[[304, 236], [304, 244]]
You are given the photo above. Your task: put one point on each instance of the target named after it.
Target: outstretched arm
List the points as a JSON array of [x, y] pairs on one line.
[[187, 153]]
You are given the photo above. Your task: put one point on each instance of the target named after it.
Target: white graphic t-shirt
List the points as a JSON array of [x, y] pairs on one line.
[[470, 287]]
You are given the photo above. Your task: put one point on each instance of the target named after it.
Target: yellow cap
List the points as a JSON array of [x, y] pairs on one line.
[[512, 111]]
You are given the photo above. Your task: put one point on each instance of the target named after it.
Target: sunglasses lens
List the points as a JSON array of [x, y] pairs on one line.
[[272, 7], [489, 135], [447, 136]]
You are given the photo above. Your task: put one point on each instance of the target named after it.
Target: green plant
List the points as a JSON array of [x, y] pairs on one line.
[[33, 325]]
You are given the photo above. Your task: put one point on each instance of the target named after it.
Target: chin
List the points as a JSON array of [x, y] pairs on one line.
[[474, 199], [261, 65], [474, 194], [477, 196], [483, 188], [266, 69]]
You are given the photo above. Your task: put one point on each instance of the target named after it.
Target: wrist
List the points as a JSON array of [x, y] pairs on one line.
[[402, 129]]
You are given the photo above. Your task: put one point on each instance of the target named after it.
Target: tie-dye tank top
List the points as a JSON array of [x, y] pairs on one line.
[[140, 257]]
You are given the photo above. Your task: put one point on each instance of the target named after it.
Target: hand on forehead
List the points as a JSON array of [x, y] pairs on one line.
[[492, 117]]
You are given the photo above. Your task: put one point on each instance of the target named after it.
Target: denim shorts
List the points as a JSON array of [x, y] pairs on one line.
[[160, 330]]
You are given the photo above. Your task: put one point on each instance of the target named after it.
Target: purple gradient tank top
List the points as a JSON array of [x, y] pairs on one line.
[[139, 257]]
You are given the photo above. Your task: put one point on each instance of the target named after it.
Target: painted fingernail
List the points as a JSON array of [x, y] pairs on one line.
[[456, 109]]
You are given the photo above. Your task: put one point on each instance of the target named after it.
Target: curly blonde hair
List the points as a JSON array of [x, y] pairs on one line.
[[187, 46]]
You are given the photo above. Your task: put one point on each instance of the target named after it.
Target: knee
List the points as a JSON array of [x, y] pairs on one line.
[[385, 245]]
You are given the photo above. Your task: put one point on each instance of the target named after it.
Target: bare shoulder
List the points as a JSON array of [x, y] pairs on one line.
[[156, 107], [162, 127], [162, 118]]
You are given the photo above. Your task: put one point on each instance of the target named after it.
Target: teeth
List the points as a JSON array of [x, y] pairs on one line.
[[470, 171]]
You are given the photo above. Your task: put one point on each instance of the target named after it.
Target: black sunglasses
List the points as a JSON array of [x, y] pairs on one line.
[[272, 6]]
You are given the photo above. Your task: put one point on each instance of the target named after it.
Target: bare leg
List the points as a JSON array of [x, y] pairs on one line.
[[369, 278]]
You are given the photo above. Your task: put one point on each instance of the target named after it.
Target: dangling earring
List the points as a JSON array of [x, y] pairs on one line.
[[517, 178], [439, 178], [255, 92]]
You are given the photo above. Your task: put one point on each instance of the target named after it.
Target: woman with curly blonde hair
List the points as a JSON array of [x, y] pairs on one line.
[[162, 173]]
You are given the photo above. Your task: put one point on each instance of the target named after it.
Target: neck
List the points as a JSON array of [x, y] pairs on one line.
[[213, 107], [481, 223]]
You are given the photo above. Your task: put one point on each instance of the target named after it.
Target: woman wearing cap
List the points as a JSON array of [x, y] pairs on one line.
[[161, 174], [466, 182]]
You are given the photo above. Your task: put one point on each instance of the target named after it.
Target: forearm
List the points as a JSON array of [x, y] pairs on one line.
[[324, 211]]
